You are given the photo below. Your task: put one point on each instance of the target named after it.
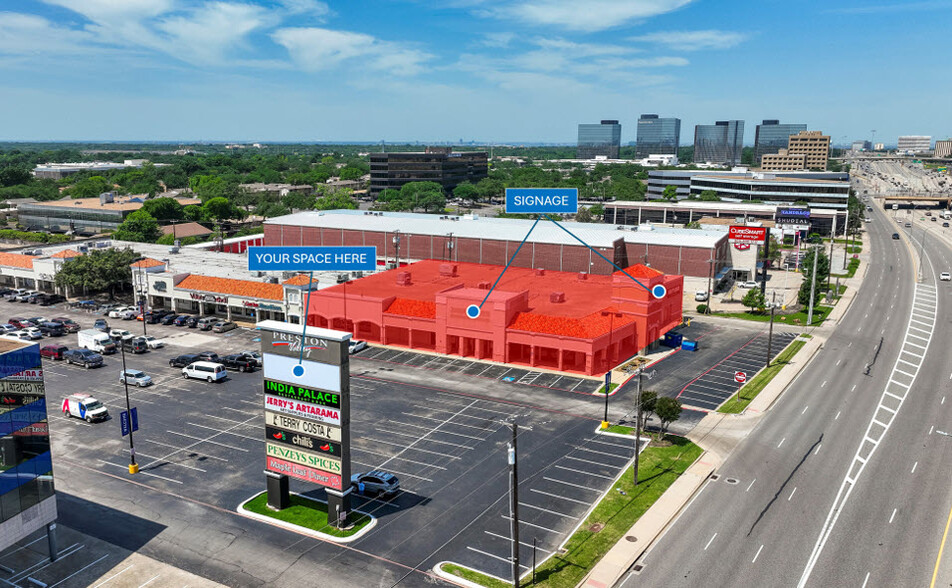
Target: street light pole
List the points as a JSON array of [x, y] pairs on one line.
[[133, 466], [514, 503], [641, 361]]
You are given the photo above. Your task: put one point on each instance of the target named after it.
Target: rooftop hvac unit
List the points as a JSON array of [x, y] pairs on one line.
[[484, 285], [620, 227], [173, 249], [271, 280], [403, 279], [557, 297]]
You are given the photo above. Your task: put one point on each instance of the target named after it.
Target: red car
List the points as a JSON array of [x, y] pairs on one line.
[[53, 351], [20, 323]]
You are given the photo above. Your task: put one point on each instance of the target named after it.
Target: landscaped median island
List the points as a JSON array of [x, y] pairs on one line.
[[307, 515], [660, 465], [738, 402]]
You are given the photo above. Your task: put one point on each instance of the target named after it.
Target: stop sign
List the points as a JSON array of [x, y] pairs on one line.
[[740, 377]]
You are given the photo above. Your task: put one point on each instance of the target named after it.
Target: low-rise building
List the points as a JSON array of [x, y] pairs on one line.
[[783, 160], [83, 216], [914, 144], [276, 190], [58, 171], [943, 148], [658, 180]]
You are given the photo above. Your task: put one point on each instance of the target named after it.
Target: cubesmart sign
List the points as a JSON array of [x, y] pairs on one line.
[[312, 259], [542, 200], [302, 472], [305, 442], [741, 234]]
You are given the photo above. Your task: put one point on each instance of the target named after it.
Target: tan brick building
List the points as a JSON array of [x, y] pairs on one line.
[[812, 146], [943, 148], [784, 161]]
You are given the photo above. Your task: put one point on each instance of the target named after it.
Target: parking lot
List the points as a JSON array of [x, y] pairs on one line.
[[203, 442], [480, 369]]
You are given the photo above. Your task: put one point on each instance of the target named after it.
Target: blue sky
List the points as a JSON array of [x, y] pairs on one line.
[[482, 70]]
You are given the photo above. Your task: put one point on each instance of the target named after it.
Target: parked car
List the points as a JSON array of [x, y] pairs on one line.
[[205, 370], [191, 322], [117, 312], [53, 351], [51, 329], [117, 334], [154, 343], [169, 318], [12, 295], [205, 323], [69, 325], [18, 336], [701, 295], [183, 360], [238, 362], [181, 319], [223, 326], [749, 284], [945, 276], [207, 356], [253, 355], [101, 325], [34, 333], [135, 344], [375, 482], [129, 314], [7, 328], [26, 295], [4, 292], [354, 346], [34, 298], [85, 407], [84, 357], [19, 322], [136, 377], [51, 299]]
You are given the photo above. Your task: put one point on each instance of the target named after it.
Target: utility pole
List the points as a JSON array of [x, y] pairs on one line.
[[816, 254], [773, 307], [514, 503], [641, 361]]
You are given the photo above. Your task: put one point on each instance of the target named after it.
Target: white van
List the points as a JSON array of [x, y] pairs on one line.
[[95, 341], [84, 406], [205, 370]]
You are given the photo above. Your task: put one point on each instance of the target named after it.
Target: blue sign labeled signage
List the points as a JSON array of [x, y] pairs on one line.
[[542, 200], [124, 422], [312, 259]]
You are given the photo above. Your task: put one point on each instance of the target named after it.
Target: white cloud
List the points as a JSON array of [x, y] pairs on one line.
[[501, 39], [206, 34], [588, 15], [314, 48], [27, 34], [693, 40], [306, 7]]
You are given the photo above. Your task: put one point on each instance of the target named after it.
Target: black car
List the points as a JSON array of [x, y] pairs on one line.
[[83, 357], [207, 356], [51, 329], [896, 236], [238, 362], [191, 322], [135, 345], [5, 291], [101, 325], [181, 320], [169, 318], [156, 316], [183, 360], [51, 299]]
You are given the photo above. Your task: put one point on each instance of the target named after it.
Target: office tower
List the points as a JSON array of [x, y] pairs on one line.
[[721, 142], [914, 144], [436, 164], [771, 137], [602, 139], [657, 136]]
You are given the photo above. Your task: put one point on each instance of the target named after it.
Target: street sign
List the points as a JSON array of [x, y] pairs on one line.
[[608, 382], [740, 377], [124, 422], [741, 234], [135, 419]]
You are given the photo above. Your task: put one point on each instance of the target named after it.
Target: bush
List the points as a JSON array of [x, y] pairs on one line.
[[32, 236], [702, 309]]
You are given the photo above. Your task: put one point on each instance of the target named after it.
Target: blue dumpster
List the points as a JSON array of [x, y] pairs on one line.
[[672, 340], [689, 345]]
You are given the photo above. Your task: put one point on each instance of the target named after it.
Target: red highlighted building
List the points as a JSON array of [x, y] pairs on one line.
[[565, 321]]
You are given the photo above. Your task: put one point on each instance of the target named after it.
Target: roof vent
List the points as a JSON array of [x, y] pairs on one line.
[[403, 279], [448, 270], [582, 276], [557, 297], [484, 286], [540, 271]]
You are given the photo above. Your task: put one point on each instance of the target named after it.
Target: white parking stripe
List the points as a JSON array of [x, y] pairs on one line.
[[521, 522], [570, 484], [560, 497], [585, 473], [560, 514]]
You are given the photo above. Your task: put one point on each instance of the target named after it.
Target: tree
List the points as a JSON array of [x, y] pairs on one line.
[[14, 175], [709, 195], [490, 188], [466, 191], [219, 209], [90, 187], [584, 215], [192, 212], [754, 299], [298, 201], [335, 201], [692, 225], [670, 193], [350, 173], [597, 210], [668, 410], [140, 226], [425, 195], [164, 209], [822, 274], [98, 270], [626, 188], [649, 401], [208, 187]]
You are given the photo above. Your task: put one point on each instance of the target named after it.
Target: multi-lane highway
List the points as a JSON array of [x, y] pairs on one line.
[[846, 481]]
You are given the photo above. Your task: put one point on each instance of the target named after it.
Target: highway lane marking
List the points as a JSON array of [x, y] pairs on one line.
[[866, 580], [836, 417], [850, 344], [791, 494], [710, 541], [891, 517], [757, 554], [671, 525], [838, 361], [781, 442], [818, 449], [751, 485], [938, 558]]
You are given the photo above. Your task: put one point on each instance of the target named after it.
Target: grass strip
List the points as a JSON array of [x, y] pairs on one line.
[[798, 318], [738, 402], [610, 389], [306, 513], [609, 521]]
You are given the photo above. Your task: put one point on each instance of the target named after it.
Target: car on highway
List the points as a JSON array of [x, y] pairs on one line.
[[135, 377], [896, 236], [153, 342], [205, 370], [84, 357], [238, 362], [354, 346], [945, 224], [375, 482], [183, 360], [101, 325], [223, 326], [907, 225], [945, 277], [869, 220], [69, 325], [53, 351]]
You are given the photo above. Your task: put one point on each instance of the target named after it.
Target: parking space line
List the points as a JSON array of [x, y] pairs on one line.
[[412, 436], [503, 559], [141, 471], [560, 514], [409, 475], [68, 420], [176, 447], [114, 576], [447, 432], [570, 484], [579, 448], [454, 422], [404, 445], [406, 459], [140, 454], [82, 569], [224, 419], [485, 370], [588, 461], [572, 389], [200, 440], [34, 568], [149, 581], [425, 436], [522, 522], [612, 444], [566, 498], [545, 552], [586, 473], [228, 432]]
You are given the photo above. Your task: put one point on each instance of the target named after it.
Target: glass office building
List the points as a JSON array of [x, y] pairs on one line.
[[721, 142], [602, 139], [27, 502], [437, 164], [771, 137], [657, 136]]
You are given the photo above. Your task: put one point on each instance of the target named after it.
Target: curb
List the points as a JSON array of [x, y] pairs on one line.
[[462, 581], [304, 530]]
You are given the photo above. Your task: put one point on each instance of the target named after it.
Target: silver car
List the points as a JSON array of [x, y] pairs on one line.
[[136, 377]]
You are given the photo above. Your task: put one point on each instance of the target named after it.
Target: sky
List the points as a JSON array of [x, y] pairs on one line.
[[489, 71]]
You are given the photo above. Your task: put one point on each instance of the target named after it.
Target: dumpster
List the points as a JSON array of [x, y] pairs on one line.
[[689, 345], [672, 340]]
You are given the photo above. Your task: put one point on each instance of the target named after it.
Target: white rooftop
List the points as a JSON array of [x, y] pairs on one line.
[[479, 227]]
